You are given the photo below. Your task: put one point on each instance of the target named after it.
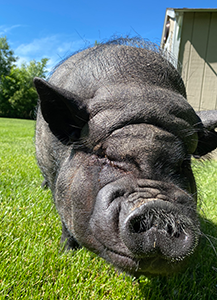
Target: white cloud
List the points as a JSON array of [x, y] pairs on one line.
[[6, 29], [55, 47]]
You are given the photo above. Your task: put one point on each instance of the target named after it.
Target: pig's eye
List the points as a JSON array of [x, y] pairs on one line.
[[101, 153], [98, 150]]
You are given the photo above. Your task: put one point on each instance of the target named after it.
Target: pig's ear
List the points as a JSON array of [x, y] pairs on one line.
[[62, 110], [208, 137]]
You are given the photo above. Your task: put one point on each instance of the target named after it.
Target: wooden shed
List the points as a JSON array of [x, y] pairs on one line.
[[190, 35]]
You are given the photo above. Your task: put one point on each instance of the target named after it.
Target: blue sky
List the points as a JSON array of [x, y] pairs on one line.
[[54, 29]]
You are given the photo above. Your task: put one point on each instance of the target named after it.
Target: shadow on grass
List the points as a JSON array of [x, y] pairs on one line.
[[199, 281]]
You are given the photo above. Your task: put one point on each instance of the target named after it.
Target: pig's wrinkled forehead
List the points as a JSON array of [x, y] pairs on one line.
[[122, 85], [87, 71], [116, 106]]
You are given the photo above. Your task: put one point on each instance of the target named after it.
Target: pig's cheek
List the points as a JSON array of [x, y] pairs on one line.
[[75, 195]]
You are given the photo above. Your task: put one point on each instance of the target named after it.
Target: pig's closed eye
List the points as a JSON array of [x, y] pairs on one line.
[[99, 151]]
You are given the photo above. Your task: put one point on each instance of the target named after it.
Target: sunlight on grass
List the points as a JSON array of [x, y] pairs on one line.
[[33, 265]]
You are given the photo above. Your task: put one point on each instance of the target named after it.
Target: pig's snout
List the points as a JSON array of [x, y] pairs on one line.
[[145, 222], [158, 228]]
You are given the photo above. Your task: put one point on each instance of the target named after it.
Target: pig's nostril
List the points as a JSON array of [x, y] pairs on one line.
[[139, 227], [142, 225], [177, 234], [171, 231]]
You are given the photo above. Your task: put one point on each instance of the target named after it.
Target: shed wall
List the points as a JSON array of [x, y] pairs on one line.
[[198, 55]]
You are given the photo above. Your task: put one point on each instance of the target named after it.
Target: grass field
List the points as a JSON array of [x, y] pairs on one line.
[[32, 263]]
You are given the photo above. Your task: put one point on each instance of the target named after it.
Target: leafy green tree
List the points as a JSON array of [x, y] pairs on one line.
[[7, 58], [18, 97]]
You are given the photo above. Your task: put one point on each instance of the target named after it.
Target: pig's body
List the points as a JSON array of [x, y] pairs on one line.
[[114, 140]]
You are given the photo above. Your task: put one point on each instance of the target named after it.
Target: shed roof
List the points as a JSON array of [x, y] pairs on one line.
[[185, 9]]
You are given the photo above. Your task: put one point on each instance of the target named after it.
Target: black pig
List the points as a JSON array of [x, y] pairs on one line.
[[114, 140]]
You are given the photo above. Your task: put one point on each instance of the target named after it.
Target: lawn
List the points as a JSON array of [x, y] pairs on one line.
[[32, 263]]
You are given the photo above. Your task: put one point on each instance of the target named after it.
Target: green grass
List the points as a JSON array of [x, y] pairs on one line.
[[32, 263]]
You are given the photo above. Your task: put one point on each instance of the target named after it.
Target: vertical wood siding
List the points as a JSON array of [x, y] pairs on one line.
[[198, 55]]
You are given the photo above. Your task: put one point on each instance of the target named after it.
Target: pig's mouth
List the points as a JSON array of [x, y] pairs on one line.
[[150, 265], [143, 234]]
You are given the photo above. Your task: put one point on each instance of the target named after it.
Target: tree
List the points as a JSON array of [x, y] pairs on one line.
[[18, 97], [7, 58]]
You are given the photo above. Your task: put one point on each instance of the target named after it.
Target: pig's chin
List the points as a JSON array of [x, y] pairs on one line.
[[149, 266]]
